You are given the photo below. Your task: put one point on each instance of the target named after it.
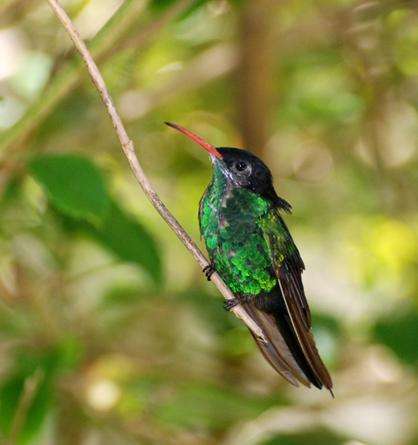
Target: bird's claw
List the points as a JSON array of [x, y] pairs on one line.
[[230, 304], [209, 270]]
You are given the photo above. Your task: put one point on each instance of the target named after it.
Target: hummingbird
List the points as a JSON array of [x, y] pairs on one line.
[[250, 247]]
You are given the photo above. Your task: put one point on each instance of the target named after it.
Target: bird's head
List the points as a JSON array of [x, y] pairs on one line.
[[240, 167]]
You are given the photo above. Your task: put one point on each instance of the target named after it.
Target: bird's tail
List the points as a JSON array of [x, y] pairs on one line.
[[283, 351], [277, 351]]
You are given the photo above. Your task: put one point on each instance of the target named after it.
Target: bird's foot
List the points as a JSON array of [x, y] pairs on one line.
[[209, 270], [230, 304]]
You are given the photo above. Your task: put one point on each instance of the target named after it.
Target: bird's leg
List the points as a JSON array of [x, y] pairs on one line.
[[209, 270]]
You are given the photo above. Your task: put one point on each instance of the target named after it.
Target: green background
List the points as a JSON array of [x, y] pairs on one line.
[[109, 332]]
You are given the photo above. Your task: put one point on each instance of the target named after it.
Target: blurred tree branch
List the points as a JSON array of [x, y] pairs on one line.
[[12, 5], [255, 72], [129, 151]]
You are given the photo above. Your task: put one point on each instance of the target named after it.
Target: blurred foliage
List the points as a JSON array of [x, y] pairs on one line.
[[109, 332], [312, 437], [74, 185], [49, 364], [399, 332]]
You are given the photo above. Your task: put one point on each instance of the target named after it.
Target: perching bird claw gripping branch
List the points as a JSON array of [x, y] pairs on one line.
[[128, 149]]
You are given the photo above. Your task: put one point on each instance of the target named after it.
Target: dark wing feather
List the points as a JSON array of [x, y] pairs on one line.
[[276, 351], [289, 266]]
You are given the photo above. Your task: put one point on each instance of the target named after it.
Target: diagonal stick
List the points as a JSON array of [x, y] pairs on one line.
[[129, 151]]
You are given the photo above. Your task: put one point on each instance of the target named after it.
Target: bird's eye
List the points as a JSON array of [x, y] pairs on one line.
[[240, 166]]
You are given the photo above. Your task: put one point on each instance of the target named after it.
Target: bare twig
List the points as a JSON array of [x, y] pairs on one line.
[[66, 78], [129, 151]]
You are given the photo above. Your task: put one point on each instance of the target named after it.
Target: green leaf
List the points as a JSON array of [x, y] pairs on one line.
[[129, 240], [73, 184], [77, 190]]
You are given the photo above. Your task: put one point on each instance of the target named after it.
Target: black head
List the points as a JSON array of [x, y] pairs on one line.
[[240, 167], [248, 171]]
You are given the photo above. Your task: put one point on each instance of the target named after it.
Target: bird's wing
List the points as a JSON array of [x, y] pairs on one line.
[[276, 351], [288, 267]]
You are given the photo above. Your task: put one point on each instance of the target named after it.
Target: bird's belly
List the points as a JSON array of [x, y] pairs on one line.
[[235, 242], [242, 259]]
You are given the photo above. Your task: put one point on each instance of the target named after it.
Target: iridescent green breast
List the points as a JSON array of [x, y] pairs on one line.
[[230, 223]]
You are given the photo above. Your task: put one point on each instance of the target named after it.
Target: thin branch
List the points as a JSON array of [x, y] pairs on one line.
[[67, 78], [129, 151]]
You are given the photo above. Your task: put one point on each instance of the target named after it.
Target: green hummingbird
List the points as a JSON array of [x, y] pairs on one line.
[[251, 248]]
